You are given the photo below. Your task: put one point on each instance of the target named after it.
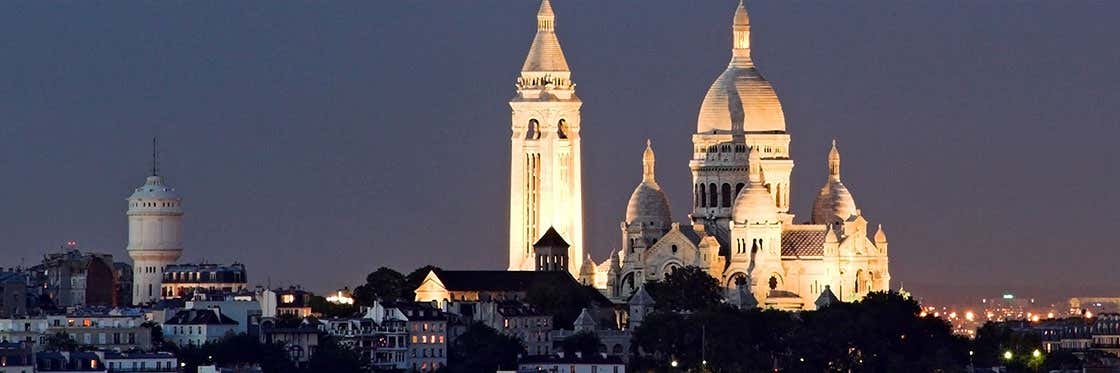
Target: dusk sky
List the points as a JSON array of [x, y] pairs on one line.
[[317, 141]]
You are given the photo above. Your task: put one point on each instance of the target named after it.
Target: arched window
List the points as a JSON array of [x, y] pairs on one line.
[[773, 282], [712, 195], [703, 196], [726, 194], [739, 280], [674, 249], [738, 188], [562, 129], [533, 132]]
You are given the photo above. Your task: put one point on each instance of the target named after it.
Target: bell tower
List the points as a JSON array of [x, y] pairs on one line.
[[545, 175]]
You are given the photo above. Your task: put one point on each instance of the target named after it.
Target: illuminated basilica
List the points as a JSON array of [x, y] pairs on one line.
[[740, 228]]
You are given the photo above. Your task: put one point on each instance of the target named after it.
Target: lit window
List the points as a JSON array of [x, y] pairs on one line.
[[288, 298]]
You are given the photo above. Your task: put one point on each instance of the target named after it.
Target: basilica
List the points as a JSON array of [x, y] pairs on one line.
[[740, 227]]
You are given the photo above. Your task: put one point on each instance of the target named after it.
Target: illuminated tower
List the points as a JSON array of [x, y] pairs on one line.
[[740, 111], [155, 228], [545, 166]]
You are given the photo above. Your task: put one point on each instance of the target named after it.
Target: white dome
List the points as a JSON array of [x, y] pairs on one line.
[[154, 188], [648, 204], [834, 202], [740, 99], [754, 203]]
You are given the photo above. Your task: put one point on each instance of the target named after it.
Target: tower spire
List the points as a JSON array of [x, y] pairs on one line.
[[155, 155], [647, 164], [545, 54], [834, 162]]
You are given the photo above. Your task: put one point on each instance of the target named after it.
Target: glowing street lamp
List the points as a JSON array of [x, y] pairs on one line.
[[969, 316], [673, 363], [1007, 355], [1036, 353]]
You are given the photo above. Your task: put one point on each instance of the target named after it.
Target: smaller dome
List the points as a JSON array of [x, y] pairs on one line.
[[154, 188], [648, 204], [834, 202], [754, 203]]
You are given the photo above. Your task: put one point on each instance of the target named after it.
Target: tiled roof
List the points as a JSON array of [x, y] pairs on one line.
[[13, 278], [800, 242], [551, 238], [200, 317], [499, 280]]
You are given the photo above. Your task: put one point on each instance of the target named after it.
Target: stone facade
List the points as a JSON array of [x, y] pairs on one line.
[[545, 174]]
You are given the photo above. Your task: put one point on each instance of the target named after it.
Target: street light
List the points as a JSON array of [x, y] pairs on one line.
[[1036, 353], [673, 363], [1007, 355]]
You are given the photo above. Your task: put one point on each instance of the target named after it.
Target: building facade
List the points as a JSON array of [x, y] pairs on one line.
[[545, 173], [182, 280], [195, 327], [740, 229], [73, 278]]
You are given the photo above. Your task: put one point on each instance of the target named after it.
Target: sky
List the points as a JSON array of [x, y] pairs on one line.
[[318, 141]]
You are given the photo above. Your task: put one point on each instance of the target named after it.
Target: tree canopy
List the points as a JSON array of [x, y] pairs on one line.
[[482, 349], [881, 333], [686, 289], [382, 284]]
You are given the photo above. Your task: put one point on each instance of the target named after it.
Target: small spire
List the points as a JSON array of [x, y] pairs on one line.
[[880, 235], [834, 162], [155, 155], [648, 164], [546, 19], [755, 165]]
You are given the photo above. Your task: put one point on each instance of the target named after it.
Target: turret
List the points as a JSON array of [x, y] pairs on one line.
[[155, 227]]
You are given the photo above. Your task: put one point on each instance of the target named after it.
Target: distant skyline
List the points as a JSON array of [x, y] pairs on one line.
[[317, 142]]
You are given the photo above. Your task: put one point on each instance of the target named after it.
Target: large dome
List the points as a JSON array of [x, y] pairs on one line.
[[740, 99], [648, 205], [834, 202], [754, 204]]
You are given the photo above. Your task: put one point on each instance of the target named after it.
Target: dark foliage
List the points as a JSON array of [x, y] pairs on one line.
[[882, 333], [561, 301], [585, 343], [686, 289], [333, 357], [383, 284], [319, 305], [483, 349]]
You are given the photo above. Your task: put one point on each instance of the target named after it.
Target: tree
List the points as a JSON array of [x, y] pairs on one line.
[[686, 289], [561, 300], [482, 349], [320, 305], [383, 284], [61, 342], [585, 343], [330, 356]]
